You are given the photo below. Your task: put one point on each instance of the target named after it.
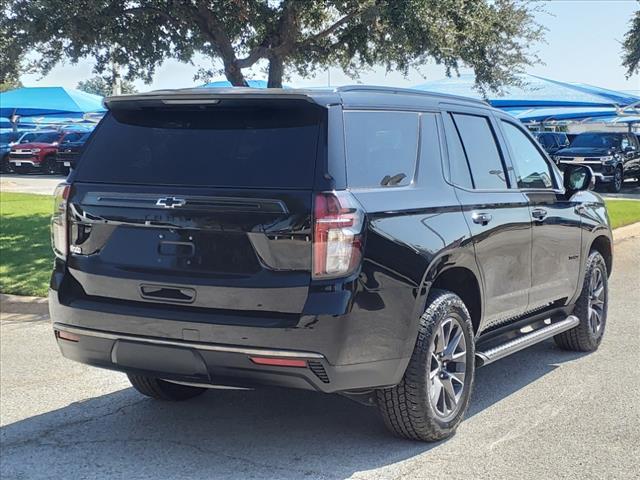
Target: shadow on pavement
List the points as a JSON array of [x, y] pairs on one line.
[[270, 433]]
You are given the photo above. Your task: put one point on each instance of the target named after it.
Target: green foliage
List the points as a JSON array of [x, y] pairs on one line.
[[623, 212], [11, 54], [304, 36], [631, 46], [25, 249], [101, 85], [10, 85]]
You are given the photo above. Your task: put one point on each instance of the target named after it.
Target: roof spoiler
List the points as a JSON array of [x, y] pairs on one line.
[[207, 97]]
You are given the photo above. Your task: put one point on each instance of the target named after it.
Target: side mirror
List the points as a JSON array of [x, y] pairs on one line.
[[578, 177]]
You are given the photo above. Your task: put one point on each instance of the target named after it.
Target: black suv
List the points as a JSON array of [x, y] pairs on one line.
[[552, 141], [378, 243], [613, 156]]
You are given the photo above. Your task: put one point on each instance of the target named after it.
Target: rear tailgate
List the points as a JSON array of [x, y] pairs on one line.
[[206, 208]]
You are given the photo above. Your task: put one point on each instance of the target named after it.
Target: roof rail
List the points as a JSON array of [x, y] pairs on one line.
[[408, 91]]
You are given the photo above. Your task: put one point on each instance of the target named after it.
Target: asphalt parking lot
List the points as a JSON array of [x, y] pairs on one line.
[[540, 414]]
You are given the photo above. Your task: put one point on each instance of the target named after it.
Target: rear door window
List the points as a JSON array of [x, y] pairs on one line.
[[481, 151], [382, 148], [270, 147], [459, 171]]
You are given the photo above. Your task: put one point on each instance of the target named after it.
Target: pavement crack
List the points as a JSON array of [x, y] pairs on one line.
[[39, 438]]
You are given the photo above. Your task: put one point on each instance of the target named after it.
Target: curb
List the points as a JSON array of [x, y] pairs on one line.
[[627, 232], [39, 305], [23, 305]]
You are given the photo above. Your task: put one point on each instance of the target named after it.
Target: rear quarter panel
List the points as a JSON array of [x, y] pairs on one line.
[[413, 233]]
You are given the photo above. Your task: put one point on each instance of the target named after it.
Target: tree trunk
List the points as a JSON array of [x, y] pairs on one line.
[[234, 75], [276, 71]]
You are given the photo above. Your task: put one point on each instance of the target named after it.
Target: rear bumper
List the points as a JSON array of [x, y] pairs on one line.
[[174, 350]]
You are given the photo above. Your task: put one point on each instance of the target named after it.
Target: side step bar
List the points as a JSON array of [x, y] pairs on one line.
[[524, 341]]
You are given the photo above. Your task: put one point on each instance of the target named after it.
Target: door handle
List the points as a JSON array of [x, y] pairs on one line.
[[481, 218], [539, 213]]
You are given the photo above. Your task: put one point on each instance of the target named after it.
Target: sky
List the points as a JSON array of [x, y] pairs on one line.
[[583, 44]]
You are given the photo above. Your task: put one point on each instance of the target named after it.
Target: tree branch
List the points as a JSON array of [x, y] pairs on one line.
[[329, 30]]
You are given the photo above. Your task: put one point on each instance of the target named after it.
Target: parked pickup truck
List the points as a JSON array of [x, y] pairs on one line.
[[374, 242], [69, 150], [613, 156], [36, 151]]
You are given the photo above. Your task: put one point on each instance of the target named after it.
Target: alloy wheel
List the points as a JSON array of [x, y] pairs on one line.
[[50, 167], [618, 179], [596, 301], [448, 368]]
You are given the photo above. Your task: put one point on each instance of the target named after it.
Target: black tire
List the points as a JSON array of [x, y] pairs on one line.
[[162, 390], [50, 166], [407, 408], [618, 179], [5, 165], [584, 337]]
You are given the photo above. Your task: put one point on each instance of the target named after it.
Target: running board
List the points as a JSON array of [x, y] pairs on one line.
[[524, 341]]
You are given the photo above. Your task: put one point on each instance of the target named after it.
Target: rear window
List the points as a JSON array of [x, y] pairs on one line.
[[240, 147], [382, 148]]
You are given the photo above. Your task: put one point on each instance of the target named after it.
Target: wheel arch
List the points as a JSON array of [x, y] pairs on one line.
[[463, 282], [602, 244]]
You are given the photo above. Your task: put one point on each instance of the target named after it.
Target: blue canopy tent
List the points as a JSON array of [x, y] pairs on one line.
[[543, 100], [542, 114], [58, 101], [536, 92]]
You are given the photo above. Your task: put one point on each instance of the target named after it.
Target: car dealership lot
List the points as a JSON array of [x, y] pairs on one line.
[[541, 413]]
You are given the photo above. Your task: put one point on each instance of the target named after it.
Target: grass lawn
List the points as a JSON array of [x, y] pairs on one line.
[[25, 246], [25, 250], [623, 212]]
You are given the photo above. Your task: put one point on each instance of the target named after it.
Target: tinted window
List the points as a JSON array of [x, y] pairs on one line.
[[481, 151], [597, 140], [36, 136], [625, 143], [46, 137], [73, 137], [9, 137], [241, 147], [458, 165], [532, 170], [546, 139], [381, 148]]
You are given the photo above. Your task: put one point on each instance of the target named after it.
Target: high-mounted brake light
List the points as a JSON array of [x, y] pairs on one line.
[[59, 228], [337, 234]]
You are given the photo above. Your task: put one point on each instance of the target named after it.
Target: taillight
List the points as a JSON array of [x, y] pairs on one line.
[[59, 231], [337, 234]]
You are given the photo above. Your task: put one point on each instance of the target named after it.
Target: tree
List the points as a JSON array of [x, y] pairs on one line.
[[103, 86], [631, 46], [11, 54], [303, 36]]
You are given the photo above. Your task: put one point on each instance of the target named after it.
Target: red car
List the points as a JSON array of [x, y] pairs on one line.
[[37, 152]]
